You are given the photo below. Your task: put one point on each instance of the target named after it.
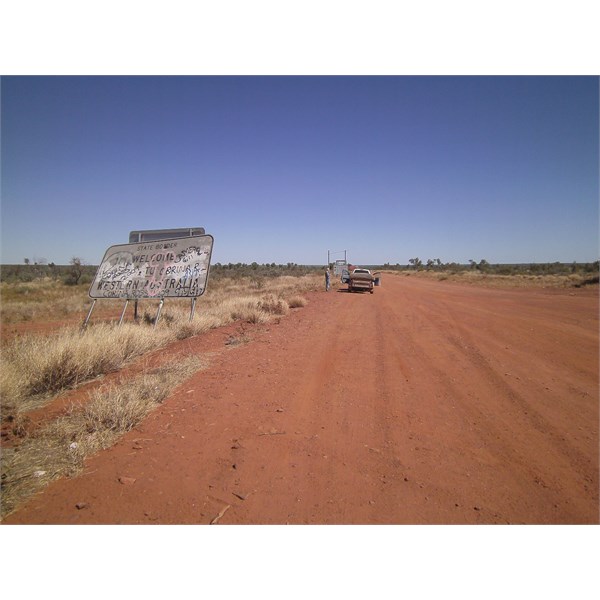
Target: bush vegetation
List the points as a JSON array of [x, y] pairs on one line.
[[556, 274], [483, 266]]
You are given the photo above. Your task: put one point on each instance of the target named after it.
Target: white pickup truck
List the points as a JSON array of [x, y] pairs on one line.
[[359, 280]]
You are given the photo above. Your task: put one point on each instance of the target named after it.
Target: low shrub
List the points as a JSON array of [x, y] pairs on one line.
[[297, 302], [273, 305]]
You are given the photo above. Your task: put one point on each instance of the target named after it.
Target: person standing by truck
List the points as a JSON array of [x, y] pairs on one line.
[[327, 279]]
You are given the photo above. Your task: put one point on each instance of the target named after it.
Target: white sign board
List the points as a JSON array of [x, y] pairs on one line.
[[174, 268], [339, 266]]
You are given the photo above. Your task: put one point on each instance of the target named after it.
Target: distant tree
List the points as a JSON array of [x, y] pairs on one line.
[[415, 262], [472, 263], [483, 265], [76, 270], [26, 261]]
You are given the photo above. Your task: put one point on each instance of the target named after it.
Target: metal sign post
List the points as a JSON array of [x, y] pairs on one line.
[[192, 309], [160, 305], [123, 313], [89, 314]]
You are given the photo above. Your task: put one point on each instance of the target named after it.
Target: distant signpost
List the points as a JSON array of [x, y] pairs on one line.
[[339, 267]]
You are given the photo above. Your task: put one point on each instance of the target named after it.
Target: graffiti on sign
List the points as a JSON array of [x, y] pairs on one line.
[[172, 268]]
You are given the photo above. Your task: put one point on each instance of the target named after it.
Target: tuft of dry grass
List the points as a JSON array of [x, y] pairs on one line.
[[275, 305], [297, 302], [60, 448]]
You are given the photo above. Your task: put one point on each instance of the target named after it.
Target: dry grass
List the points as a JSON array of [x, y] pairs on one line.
[[61, 448], [297, 302], [43, 298], [475, 277], [34, 368]]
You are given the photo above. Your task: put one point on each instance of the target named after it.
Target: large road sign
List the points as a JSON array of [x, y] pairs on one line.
[[169, 268]]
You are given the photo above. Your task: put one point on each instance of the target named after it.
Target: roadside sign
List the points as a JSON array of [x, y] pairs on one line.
[[169, 268], [339, 267]]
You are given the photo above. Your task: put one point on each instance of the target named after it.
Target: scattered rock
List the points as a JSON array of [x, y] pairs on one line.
[[81, 505], [279, 410], [39, 473], [240, 496], [127, 480], [477, 508]]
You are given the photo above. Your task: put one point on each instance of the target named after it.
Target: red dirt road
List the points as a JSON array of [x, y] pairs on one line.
[[426, 402]]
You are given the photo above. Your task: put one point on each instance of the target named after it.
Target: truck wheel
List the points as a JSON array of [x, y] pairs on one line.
[[371, 291]]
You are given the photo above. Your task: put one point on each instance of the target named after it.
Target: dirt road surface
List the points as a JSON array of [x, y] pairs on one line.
[[426, 402]]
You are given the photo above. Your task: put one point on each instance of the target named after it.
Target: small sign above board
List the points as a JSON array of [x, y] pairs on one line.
[[169, 268], [154, 235]]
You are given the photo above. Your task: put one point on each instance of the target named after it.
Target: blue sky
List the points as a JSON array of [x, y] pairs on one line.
[[283, 169]]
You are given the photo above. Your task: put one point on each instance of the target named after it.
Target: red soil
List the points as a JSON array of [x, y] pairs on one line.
[[426, 402]]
